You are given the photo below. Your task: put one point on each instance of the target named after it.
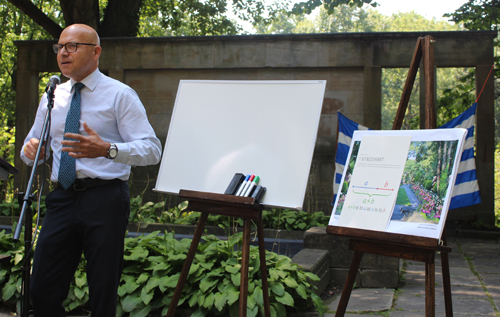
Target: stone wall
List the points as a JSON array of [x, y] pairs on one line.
[[350, 63]]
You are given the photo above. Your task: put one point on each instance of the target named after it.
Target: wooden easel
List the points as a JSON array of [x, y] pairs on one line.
[[234, 206], [397, 245]]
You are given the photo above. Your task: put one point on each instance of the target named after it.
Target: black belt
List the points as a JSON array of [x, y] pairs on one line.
[[85, 183]]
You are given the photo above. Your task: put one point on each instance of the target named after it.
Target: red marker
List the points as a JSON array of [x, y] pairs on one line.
[[252, 186]]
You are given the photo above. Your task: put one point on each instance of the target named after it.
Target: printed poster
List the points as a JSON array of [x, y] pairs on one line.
[[425, 186], [375, 181]]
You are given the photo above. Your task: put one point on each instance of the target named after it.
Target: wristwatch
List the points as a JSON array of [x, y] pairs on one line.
[[113, 151]]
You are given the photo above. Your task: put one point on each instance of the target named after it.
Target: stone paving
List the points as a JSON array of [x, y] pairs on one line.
[[475, 286]]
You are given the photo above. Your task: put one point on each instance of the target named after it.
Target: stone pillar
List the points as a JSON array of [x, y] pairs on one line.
[[372, 97], [26, 106], [485, 145]]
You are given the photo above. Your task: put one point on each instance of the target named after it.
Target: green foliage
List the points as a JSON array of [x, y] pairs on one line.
[[345, 186], [418, 177], [293, 220], [423, 170], [192, 17], [428, 184], [402, 198], [145, 213], [443, 183], [150, 212], [474, 15], [11, 272], [152, 266], [15, 26], [274, 219], [10, 208], [477, 15], [351, 18], [328, 5]]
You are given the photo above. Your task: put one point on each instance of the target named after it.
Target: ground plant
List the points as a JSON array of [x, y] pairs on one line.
[[144, 213], [152, 268]]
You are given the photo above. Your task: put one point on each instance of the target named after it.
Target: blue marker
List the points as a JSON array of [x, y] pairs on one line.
[[244, 190], [252, 186], [240, 189]]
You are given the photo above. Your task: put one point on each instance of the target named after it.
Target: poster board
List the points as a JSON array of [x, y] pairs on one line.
[[420, 208], [265, 128]]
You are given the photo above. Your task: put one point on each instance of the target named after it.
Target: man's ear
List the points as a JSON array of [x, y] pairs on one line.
[[97, 51]]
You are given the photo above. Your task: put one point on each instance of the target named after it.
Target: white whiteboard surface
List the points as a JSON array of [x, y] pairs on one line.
[[265, 128]]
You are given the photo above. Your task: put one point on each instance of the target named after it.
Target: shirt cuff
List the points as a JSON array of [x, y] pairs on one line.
[[123, 153]]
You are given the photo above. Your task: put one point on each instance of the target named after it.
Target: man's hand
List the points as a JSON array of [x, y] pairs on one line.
[[31, 148], [85, 146]]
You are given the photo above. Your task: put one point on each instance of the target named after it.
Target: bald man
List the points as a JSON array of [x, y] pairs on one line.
[[88, 210]]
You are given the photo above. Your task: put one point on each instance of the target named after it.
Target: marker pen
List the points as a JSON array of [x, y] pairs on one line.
[[244, 190], [240, 189], [252, 186]]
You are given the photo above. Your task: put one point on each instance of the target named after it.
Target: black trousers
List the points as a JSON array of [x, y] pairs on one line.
[[92, 221]]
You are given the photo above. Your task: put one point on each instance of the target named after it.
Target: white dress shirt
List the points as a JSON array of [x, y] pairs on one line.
[[114, 111]]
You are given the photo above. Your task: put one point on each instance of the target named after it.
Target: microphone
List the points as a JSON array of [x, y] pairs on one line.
[[53, 82]]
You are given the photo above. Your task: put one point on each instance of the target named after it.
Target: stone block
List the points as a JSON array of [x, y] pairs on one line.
[[189, 55], [240, 55], [292, 54], [338, 275], [340, 256], [315, 261], [311, 260], [379, 278], [375, 270], [324, 278], [341, 54]]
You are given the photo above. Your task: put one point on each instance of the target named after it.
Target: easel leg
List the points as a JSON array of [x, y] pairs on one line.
[[349, 283], [445, 265], [263, 269], [245, 255], [187, 264], [430, 294]]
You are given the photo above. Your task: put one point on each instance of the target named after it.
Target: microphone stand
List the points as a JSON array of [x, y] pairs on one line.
[[26, 212]]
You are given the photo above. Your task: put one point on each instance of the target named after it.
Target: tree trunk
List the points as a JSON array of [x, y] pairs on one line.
[[444, 161], [81, 11], [121, 18]]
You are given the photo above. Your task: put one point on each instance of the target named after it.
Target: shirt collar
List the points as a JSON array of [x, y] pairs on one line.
[[90, 81]]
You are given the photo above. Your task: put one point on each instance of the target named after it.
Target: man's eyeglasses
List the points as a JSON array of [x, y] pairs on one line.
[[70, 47]]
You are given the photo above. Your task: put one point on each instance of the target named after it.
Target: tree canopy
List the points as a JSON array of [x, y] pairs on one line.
[[130, 18], [474, 15], [364, 19]]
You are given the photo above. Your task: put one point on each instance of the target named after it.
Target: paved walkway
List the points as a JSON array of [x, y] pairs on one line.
[[475, 286]]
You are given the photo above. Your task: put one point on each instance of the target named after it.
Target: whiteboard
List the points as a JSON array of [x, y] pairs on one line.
[[264, 128]]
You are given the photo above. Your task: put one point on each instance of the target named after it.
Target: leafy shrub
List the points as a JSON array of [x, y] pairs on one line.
[[428, 184], [345, 186], [152, 268], [149, 212]]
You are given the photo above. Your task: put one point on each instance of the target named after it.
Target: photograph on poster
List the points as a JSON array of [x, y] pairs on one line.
[[424, 192]]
